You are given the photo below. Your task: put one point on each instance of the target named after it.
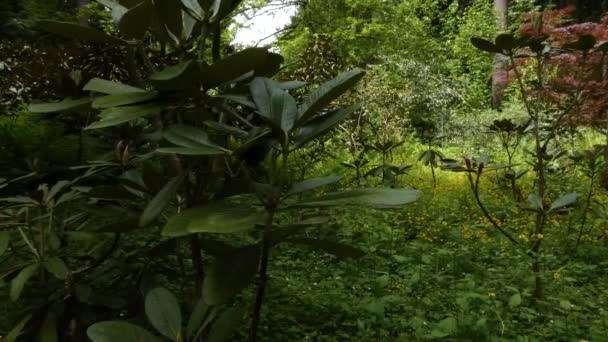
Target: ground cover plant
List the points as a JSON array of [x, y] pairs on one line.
[[356, 181]]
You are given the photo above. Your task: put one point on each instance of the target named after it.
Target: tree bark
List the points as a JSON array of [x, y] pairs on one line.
[[500, 65]]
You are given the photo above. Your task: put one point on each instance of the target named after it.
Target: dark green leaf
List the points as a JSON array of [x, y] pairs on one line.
[[57, 267], [119, 115], [136, 21], [193, 151], [123, 99], [171, 16], [505, 42], [213, 218], [328, 92], [323, 124], [284, 110], [63, 106], [17, 329], [5, 239], [160, 201], [19, 281], [331, 247], [484, 45], [584, 43], [187, 136], [185, 75], [311, 184], [257, 60], [164, 313], [261, 90], [229, 275], [75, 31], [197, 318], [116, 331], [48, 331], [373, 197], [226, 325]]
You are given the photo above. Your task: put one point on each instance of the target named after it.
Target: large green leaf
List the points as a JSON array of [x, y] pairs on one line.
[[226, 325], [117, 331], [372, 197], [119, 115], [75, 31], [197, 318], [311, 184], [284, 110], [336, 248], [19, 281], [563, 201], [110, 87], [135, 22], [164, 313], [194, 8], [57, 267], [328, 92], [213, 218], [116, 100], [323, 124], [261, 90], [178, 77], [171, 16], [5, 239], [160, 201], [258, 60], [187, 136], [484, 45], [63, 106], [230, 274]]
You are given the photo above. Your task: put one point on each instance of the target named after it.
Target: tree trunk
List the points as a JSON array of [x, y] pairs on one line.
[[82, 20], [500, 65]]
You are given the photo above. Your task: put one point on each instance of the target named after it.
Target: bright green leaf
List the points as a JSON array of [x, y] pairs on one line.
[[515, 300], [213, 218], [373, 197], [311, 184]]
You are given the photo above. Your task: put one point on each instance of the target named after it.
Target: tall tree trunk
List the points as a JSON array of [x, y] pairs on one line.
[[82, 20], [500, 65]]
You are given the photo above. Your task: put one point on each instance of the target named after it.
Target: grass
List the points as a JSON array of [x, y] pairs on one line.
[[437, 269]]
